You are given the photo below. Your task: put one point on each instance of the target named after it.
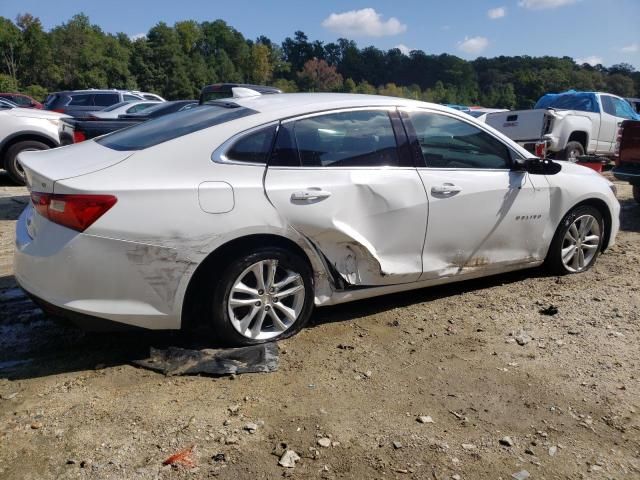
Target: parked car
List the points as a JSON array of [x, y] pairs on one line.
[[628, 156], [79, 103], [7, 104], [571, 124], [635, 103], [161, 109], [117, 109], [21, 100], [76, 130], [148, 96], [225, 90], [22, 130], [242, 215]]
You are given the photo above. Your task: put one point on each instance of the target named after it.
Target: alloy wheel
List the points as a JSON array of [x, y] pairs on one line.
[[580, 244], [265, 300]]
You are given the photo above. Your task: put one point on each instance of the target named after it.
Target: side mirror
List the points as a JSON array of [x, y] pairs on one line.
[[537, 166]]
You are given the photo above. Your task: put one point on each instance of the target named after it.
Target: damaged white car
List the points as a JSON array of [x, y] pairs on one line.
[[242, 215]]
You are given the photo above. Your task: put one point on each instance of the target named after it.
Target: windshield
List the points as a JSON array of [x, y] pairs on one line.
[[171, 126], [114, 106]]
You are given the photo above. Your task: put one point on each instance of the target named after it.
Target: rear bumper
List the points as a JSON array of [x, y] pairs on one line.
[[627, 173], [84, 277]]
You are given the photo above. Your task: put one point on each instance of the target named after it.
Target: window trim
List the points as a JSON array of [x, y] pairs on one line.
[[219, 155], [420, 161], [386, 108]]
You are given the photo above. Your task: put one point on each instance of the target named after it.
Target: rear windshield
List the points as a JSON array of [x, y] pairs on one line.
[[583, 102], [174, 125]]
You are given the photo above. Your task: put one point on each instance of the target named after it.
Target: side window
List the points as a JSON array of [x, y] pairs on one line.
[[253, 148], [130, 98], [607, 104], [19, 100], [623, 109], [347, 139], [82, 100], [105, 99], [284, 152], [448, 142]]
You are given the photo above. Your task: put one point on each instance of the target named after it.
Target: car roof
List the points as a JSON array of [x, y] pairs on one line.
[[290, 104]]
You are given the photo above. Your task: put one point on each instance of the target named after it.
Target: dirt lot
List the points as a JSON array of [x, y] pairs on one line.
[[479, 358]]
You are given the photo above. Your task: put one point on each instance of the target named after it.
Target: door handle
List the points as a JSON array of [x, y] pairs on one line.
[[446, 189], [310, 194]]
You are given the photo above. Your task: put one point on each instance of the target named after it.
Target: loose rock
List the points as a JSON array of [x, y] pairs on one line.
[[425, 419], [506, 441], [521, 475], [397, 445], [288, 459], [324, 442]]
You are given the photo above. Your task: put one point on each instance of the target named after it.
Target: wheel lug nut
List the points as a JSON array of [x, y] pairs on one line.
[[260, 292], [275, 299], [267, 308], [258, 304], [272, 289]]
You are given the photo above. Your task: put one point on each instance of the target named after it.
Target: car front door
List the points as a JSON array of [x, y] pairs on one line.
[[608, 126], [483, 216], [341, 180]]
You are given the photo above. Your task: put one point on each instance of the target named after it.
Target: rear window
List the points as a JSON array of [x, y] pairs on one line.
[[82, 100], [174, 125], [105, 99]]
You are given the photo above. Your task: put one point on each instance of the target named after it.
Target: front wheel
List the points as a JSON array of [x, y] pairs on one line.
[[265, 295], [11, 164], [577, 242]]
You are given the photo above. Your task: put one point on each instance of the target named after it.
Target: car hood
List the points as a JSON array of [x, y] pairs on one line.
[[37, 113], [44, 168], [576, 168]]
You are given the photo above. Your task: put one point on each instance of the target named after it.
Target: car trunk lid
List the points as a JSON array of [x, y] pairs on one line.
[[44, 168]]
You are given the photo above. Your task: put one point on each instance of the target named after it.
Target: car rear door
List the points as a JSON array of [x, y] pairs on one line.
[[483, 216], [345, 180]]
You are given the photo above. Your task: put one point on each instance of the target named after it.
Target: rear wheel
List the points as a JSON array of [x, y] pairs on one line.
[[636, 193], [266, 295], [572, 151], [577, 242], [11, 164]]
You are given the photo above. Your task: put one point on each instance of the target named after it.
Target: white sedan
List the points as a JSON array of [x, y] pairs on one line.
[[123, 108], [243, 214]]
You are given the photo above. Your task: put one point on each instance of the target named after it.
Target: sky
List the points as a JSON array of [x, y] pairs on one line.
[[591, 31]]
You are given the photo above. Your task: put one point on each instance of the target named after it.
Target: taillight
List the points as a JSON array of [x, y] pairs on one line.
[[73, 211], [541, 149], [59, 110], [78, 136]]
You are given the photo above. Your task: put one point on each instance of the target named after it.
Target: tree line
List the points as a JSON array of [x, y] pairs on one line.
[[177, 61]]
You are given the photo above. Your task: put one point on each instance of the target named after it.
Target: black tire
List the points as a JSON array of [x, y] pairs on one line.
[[554, 261], [636, 193], [223, 329], [10, 159], [572, 151]]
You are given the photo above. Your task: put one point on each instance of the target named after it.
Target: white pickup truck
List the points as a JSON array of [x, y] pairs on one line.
[[23, 129], [570, 123]]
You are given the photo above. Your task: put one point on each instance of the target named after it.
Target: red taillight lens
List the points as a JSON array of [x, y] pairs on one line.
[[78, 136], [59, 110], [541, 149], [77, 212]]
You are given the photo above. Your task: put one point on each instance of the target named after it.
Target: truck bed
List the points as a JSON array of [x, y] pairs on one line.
[[522, 126]]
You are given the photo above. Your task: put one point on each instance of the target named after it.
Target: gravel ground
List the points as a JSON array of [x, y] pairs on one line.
[[482, 360]]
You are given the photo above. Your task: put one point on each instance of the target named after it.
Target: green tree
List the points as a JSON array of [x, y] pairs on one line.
[[10, 46]]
